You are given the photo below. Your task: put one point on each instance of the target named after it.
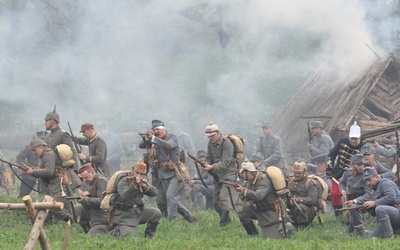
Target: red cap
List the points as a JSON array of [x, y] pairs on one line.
[[86, 126]]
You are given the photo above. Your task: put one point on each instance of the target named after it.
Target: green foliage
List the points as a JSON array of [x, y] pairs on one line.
[[204, 234]]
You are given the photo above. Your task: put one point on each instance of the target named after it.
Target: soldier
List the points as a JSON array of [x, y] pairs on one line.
[[356, 192], [257, 161], [388, 152], [322, 205], [303, 196], [26, 157], [186, 141], [385, 200], [58, 136], [270, 147], [369, 161], [129, 207], [343, 151], [52, 175], [166, 160], [260, 201], [321, 146], [93, 219], [198, 189], [97, 149], [114, 147], [221, 164]]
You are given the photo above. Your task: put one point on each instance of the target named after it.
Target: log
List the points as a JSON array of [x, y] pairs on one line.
[[37, 205], [44, 242], [37, 226], [66, 235]]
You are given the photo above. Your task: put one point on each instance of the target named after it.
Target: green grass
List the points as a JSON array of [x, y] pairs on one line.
[[204, 234]]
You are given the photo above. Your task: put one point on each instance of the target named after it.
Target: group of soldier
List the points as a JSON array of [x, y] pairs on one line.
[[341, 175]]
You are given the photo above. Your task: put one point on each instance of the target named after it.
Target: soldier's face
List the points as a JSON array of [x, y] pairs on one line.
[[87, 177], [354, 141], [38, 151], [298, 175], [368, 158], [316, 131], [158, 132], [358, 168], [371, 182], [214, 138], [49, 124], [267, 131]]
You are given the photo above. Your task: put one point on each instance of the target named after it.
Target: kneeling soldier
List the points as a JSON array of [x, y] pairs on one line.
[[303, 196], [129, 207], [263, 202]]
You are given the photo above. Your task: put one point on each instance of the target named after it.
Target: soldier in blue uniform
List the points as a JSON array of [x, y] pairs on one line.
[[385, 201]]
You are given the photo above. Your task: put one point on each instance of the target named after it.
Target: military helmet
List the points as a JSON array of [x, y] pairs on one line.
[[36, 142], [140, 167], [52, 115]]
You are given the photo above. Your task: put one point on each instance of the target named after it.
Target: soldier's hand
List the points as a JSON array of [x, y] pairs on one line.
[[239, 188], [350, 202], [208, 167], [30, 170], [310, 145], [191, 182], [369, 204], [375, 144], [150, 136], [81, 156], [344, 192]]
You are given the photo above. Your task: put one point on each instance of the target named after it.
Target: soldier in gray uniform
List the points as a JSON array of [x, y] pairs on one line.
[[369, 161], [129, 207], [321, 146], [385, 201], [260, 201], [26, 157], [97, 149], [93, 219], [114, 147], [221, 164], [58, 136], [198, 189], [166, 160], [50, 171], [303, 196], [270, 147], [357, 192]]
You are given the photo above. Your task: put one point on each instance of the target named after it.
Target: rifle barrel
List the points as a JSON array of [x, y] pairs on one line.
[[15, 164]]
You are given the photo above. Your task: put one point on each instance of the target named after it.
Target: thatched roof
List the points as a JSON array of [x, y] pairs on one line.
[[371, 98]]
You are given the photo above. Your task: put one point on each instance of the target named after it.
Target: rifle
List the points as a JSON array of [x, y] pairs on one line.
[[76, 197], [78, 147], [197, 160], [361, 208], [309, 133], [25, 168], [231, 184], [292, 200]]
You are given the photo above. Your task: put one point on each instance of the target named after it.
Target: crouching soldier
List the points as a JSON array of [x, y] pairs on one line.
[[129, 207], [355, 192], [93, 219], [50, 172], [260, 201], [385, 201], [303, 196]]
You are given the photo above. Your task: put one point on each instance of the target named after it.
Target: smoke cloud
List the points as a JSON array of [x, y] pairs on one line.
[[232, 62]]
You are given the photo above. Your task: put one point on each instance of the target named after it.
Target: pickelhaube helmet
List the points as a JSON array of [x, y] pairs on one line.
[[53, 115]]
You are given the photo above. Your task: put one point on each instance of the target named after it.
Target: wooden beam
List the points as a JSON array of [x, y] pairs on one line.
[[37, 205]]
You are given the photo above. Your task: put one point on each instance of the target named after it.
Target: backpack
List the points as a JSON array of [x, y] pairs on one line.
[[322, 196], [111, 190], [65, 153], [277, 178], [238, 145]]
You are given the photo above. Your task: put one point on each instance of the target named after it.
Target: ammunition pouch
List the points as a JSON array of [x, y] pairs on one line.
[[126, 206], [264, 206]]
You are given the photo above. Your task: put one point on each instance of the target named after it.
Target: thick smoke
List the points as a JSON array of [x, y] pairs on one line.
[[232, 62]]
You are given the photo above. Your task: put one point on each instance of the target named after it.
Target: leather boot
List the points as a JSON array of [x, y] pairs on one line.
[[225, 218], [386, 227], [251, 228], [150, 230]]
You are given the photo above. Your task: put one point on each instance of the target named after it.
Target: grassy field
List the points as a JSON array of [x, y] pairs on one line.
[[204, 234]]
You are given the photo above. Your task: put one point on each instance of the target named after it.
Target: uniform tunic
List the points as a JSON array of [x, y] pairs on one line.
[[97, 153], [92, 204], [49, 162], [270, 148], [220, 156], [307, 197]]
